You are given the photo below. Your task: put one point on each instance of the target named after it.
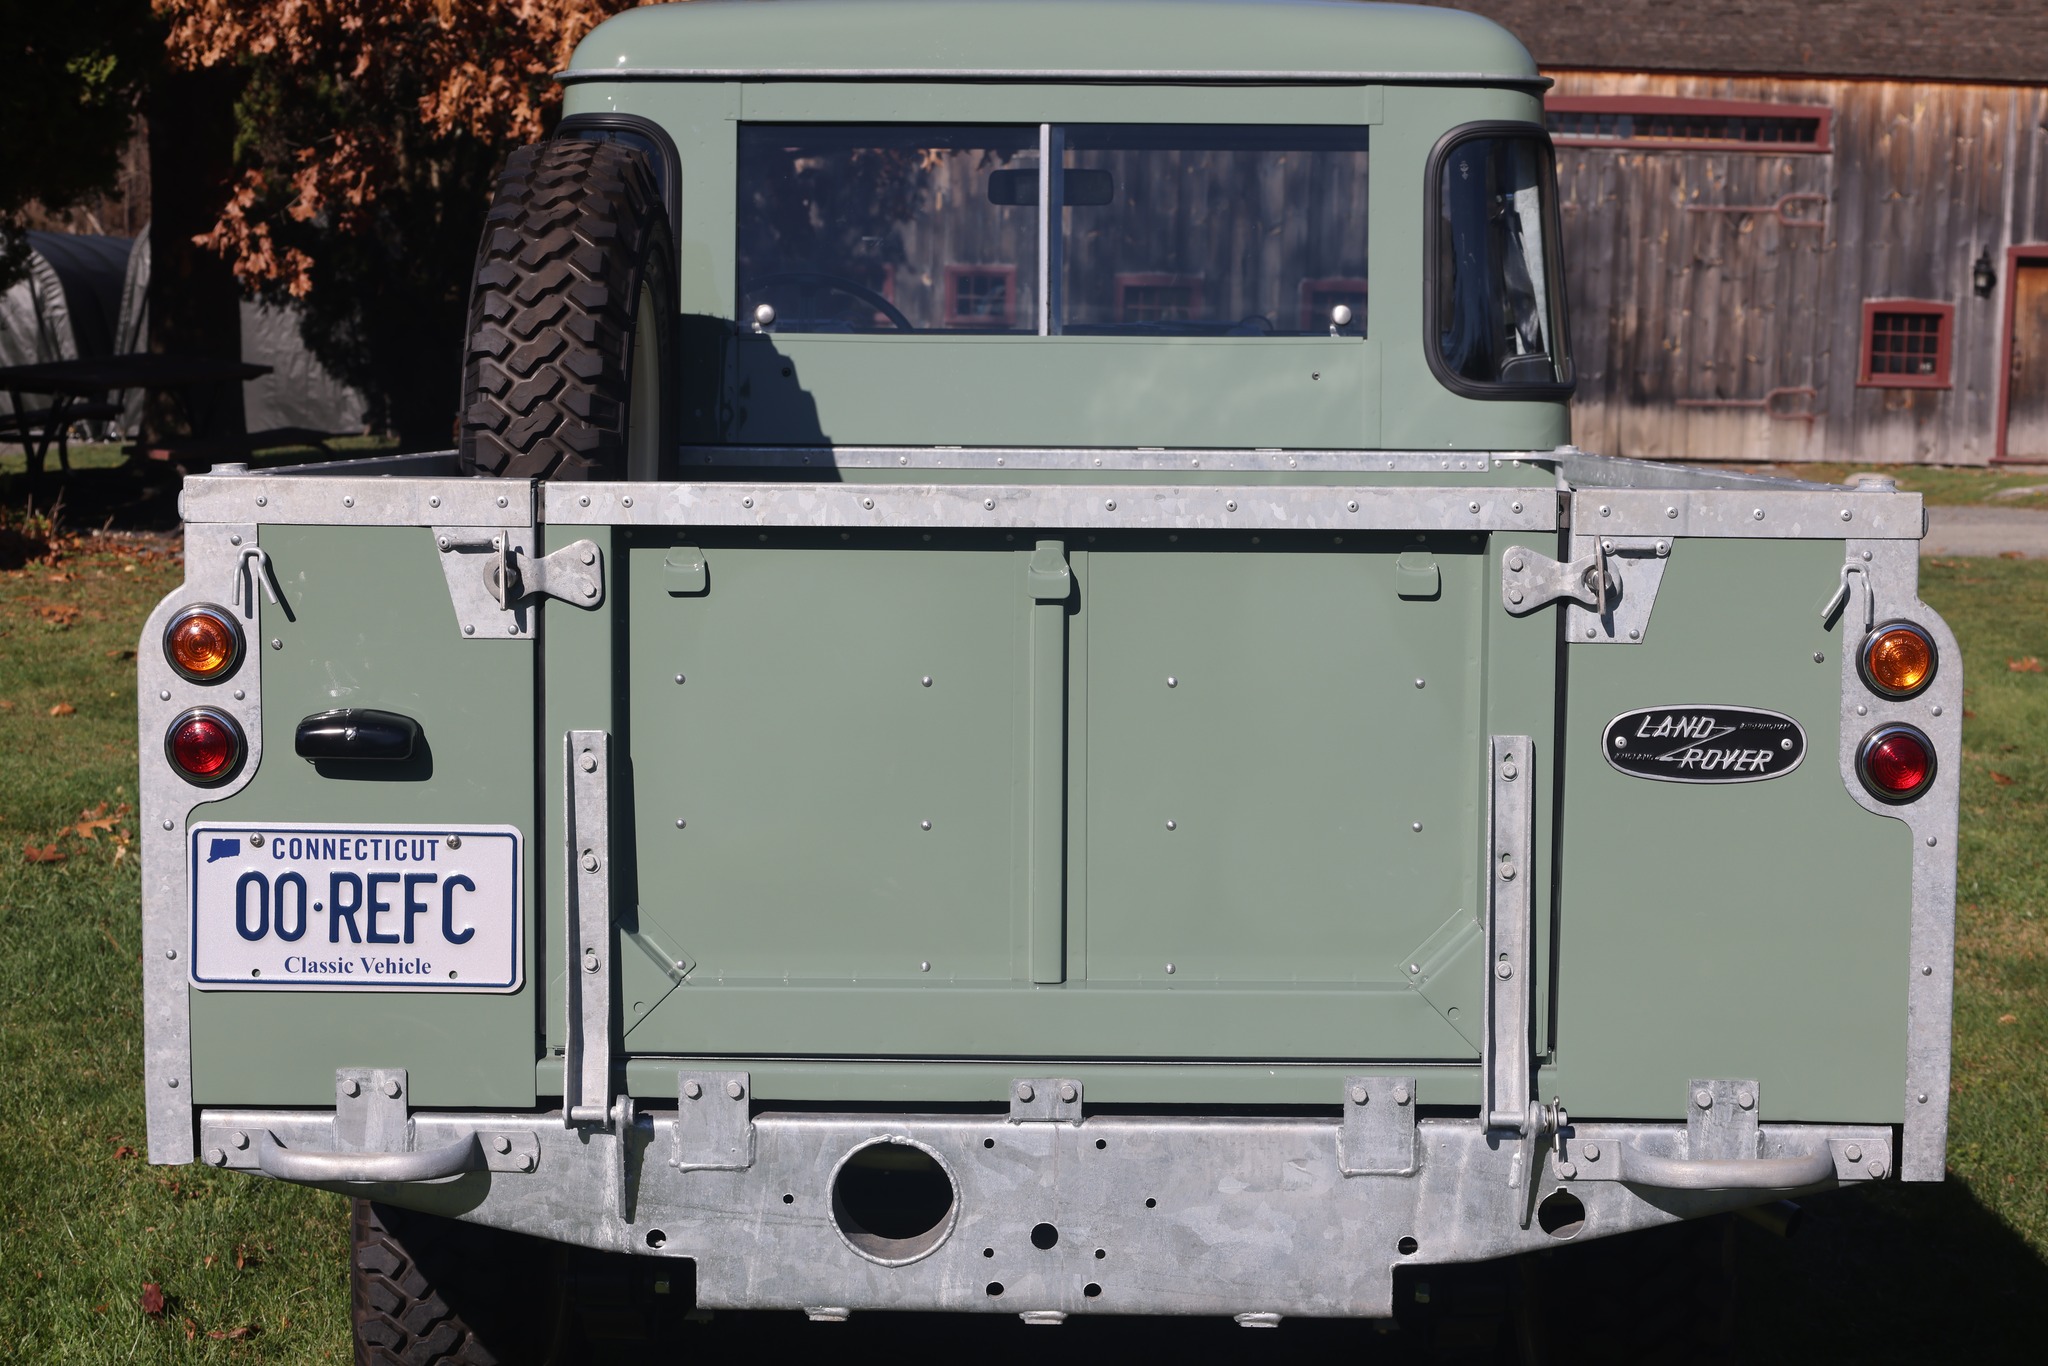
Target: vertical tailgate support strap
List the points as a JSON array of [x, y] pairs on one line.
[[1050, 583], [1510, 934], [587, 1060]]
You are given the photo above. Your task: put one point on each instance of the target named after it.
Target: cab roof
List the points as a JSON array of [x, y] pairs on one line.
[[1120, 40]]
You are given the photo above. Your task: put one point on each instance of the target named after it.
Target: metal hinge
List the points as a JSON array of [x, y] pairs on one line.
[[494, 581], [1608, 591]]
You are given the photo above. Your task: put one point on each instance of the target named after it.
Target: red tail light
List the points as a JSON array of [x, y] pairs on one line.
[[204, 745], [1896, 763]]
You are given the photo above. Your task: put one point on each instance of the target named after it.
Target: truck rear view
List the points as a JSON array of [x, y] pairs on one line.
[[1015, 702]]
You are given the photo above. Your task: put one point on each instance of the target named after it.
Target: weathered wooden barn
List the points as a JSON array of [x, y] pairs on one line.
[[1802, 231]]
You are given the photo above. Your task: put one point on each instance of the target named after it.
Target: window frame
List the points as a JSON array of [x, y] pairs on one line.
[[1553, 267], [951, 317], [1126, 280], [1686, 104], [1944, 344]]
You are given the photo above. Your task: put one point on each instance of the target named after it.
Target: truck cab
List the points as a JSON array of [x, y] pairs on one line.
[[1016, 701]]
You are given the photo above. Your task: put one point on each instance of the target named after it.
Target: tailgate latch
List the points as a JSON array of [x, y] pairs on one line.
[[575, 574], [494, 581]]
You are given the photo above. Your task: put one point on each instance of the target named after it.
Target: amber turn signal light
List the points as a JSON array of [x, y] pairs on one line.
[[1896, 763], [203, 644], [204, 745], [1898, 659]]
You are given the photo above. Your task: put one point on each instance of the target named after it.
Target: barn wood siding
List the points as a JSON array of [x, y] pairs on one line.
[[1669, 305]]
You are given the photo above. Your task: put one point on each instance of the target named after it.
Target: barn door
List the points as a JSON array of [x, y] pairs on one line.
[[2026, 393]]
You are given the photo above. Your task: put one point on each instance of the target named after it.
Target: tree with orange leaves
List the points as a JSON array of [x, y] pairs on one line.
[[369, 133]]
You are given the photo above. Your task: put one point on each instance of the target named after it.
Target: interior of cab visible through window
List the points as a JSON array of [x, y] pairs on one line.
[[1498, 306], [1147, 230]]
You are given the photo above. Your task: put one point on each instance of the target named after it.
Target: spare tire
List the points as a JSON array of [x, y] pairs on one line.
[[571, 314]]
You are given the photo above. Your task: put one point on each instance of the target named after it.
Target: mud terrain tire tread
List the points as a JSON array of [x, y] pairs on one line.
[[575, 231], [399, 1294]]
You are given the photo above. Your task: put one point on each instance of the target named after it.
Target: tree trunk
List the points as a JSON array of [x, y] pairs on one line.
[[195, 302]]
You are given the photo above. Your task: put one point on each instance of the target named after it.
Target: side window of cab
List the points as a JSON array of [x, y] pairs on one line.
[[1495, 319]]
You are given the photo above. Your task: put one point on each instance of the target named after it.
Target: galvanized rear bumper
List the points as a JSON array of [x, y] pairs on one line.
[[1103, 1214]]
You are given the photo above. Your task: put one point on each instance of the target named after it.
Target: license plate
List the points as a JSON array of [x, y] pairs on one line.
[[356, 907]]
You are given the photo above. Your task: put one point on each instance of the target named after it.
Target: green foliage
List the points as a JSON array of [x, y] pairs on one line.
[[74, 72]]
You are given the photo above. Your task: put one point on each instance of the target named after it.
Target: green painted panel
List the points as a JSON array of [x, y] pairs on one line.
[[1079, 391], [827, 101], [1751, 930], [919, 1019], [988, 1083], [370, 625], [805, 753], [1024, 36], [807, 758], [1289, 753]]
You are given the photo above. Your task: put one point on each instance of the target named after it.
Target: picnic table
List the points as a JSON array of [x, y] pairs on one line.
[[78, 389]]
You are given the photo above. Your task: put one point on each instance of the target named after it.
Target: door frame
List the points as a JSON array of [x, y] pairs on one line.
[[2014, 257]]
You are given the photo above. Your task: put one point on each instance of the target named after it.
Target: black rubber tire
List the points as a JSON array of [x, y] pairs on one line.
[[575, 236], [428, 1291], [1659, 1296]]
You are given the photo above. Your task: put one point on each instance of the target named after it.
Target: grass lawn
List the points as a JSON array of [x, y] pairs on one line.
[[1939, 485], [253, 1270]]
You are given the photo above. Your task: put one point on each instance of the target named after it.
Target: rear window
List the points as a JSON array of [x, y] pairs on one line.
[[1141, 230]]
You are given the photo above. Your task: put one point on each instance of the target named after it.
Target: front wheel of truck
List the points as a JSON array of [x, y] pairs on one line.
[[571, 315], [428, 1291]]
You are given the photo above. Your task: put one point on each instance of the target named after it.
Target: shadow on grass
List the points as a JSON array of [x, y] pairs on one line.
[[1892, 1273]]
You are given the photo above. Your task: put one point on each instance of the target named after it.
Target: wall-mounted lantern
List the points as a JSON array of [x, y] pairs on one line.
[[1983, 278]]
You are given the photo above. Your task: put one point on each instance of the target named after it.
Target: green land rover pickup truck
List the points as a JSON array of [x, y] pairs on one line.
[[1015, 701]]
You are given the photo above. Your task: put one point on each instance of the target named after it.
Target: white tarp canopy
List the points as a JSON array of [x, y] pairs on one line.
[[89, 296]]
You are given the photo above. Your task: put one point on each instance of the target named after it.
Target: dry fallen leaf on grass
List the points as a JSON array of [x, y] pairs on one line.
[[152, 1299], [60, 614], [2008, 1019], [120, 654], [5, 705], [63, 709], [2029, 665], [49, 853], [2000, 779]]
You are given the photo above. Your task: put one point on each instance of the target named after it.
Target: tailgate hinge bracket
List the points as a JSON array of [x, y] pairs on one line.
[[587, 1034], [714, 1130], [1045, 1100], [1377, 1134], [1510, 935]]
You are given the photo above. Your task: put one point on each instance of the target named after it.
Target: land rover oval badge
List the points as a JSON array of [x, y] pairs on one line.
[[1704, 744]]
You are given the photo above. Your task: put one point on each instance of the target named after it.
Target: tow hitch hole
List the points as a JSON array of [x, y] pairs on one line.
[[1101, 1143], [788, 1199], [988, 1252], [1407, 1247], [1091, 1290], [988, 1143], [893, 1201], [656, 1238], [1100, 1254], [1561, 1214], [995, 1288], [1045, 1237], [1150, 1203]]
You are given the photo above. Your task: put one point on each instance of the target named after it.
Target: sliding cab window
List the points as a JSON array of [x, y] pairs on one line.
[[1496, 325], [1130, 230]]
